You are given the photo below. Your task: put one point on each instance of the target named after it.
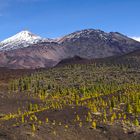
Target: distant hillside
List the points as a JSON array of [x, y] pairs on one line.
[[131, 59]]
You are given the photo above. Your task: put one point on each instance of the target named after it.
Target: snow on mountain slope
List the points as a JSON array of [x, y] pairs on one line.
[[136, 38], [20, 40]]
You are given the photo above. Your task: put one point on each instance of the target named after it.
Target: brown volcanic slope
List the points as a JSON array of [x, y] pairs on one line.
[[87, 44], [36, 56]]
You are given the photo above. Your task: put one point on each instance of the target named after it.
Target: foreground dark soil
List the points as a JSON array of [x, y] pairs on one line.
[[96, 100]]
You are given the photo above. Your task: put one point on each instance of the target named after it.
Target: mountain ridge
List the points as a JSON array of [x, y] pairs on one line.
[[32, 38], [86, 44]]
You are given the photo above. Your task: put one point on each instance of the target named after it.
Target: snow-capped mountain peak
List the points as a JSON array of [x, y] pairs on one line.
[[20, 40], [22, 36]]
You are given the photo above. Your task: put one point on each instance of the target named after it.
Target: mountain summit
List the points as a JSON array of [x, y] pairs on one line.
[[20, 40], [23, 35], [91, 43]]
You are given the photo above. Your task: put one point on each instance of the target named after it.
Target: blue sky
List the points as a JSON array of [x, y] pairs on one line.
[[55, 18]]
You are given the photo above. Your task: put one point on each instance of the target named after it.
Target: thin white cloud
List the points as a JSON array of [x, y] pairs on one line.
[[136, 38]]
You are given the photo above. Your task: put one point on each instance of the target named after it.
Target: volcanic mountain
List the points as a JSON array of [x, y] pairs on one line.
[[26, 50], [20, 40]]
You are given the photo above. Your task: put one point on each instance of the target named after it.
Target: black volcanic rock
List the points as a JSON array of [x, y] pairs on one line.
[[75, 59]]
